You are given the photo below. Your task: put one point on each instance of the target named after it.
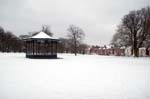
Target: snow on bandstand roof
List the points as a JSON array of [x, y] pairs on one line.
[[42, 35]]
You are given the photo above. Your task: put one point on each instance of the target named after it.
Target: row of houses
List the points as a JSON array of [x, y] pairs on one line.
[[117, 51]]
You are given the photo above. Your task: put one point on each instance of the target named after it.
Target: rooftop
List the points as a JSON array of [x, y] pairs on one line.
[[42, 35]]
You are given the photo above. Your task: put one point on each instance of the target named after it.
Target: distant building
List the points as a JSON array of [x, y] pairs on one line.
[[123, 51], [144, 51]]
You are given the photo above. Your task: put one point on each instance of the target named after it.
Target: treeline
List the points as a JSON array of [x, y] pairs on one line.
[[66, 46], [9, 42], [72, 43]]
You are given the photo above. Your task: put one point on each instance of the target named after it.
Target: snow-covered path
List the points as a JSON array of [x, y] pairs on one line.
[[80, 77]]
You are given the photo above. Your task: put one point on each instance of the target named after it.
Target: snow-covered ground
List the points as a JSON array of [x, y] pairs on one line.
[[80, 77]]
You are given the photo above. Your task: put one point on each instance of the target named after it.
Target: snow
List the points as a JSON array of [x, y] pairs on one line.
[[42, 35], [70, 77]]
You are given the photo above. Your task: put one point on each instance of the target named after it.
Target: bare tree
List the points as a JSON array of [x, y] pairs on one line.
[[46, 29], [1, 37], [76, 35], [134, 29], [121, 38]]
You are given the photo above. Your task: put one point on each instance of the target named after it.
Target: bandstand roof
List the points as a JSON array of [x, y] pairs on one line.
[[42, 35]]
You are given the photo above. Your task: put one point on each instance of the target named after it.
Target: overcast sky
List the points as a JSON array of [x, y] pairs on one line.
[[98, 18]]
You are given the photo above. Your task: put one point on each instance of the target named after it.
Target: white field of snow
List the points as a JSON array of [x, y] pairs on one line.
[[80, 77]]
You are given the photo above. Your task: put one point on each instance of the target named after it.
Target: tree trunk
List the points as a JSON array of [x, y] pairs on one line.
[[135, 48], [136, 52], [75, 45], [132, 51]]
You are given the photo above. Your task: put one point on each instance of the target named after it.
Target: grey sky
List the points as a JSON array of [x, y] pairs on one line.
[[98, 18]]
